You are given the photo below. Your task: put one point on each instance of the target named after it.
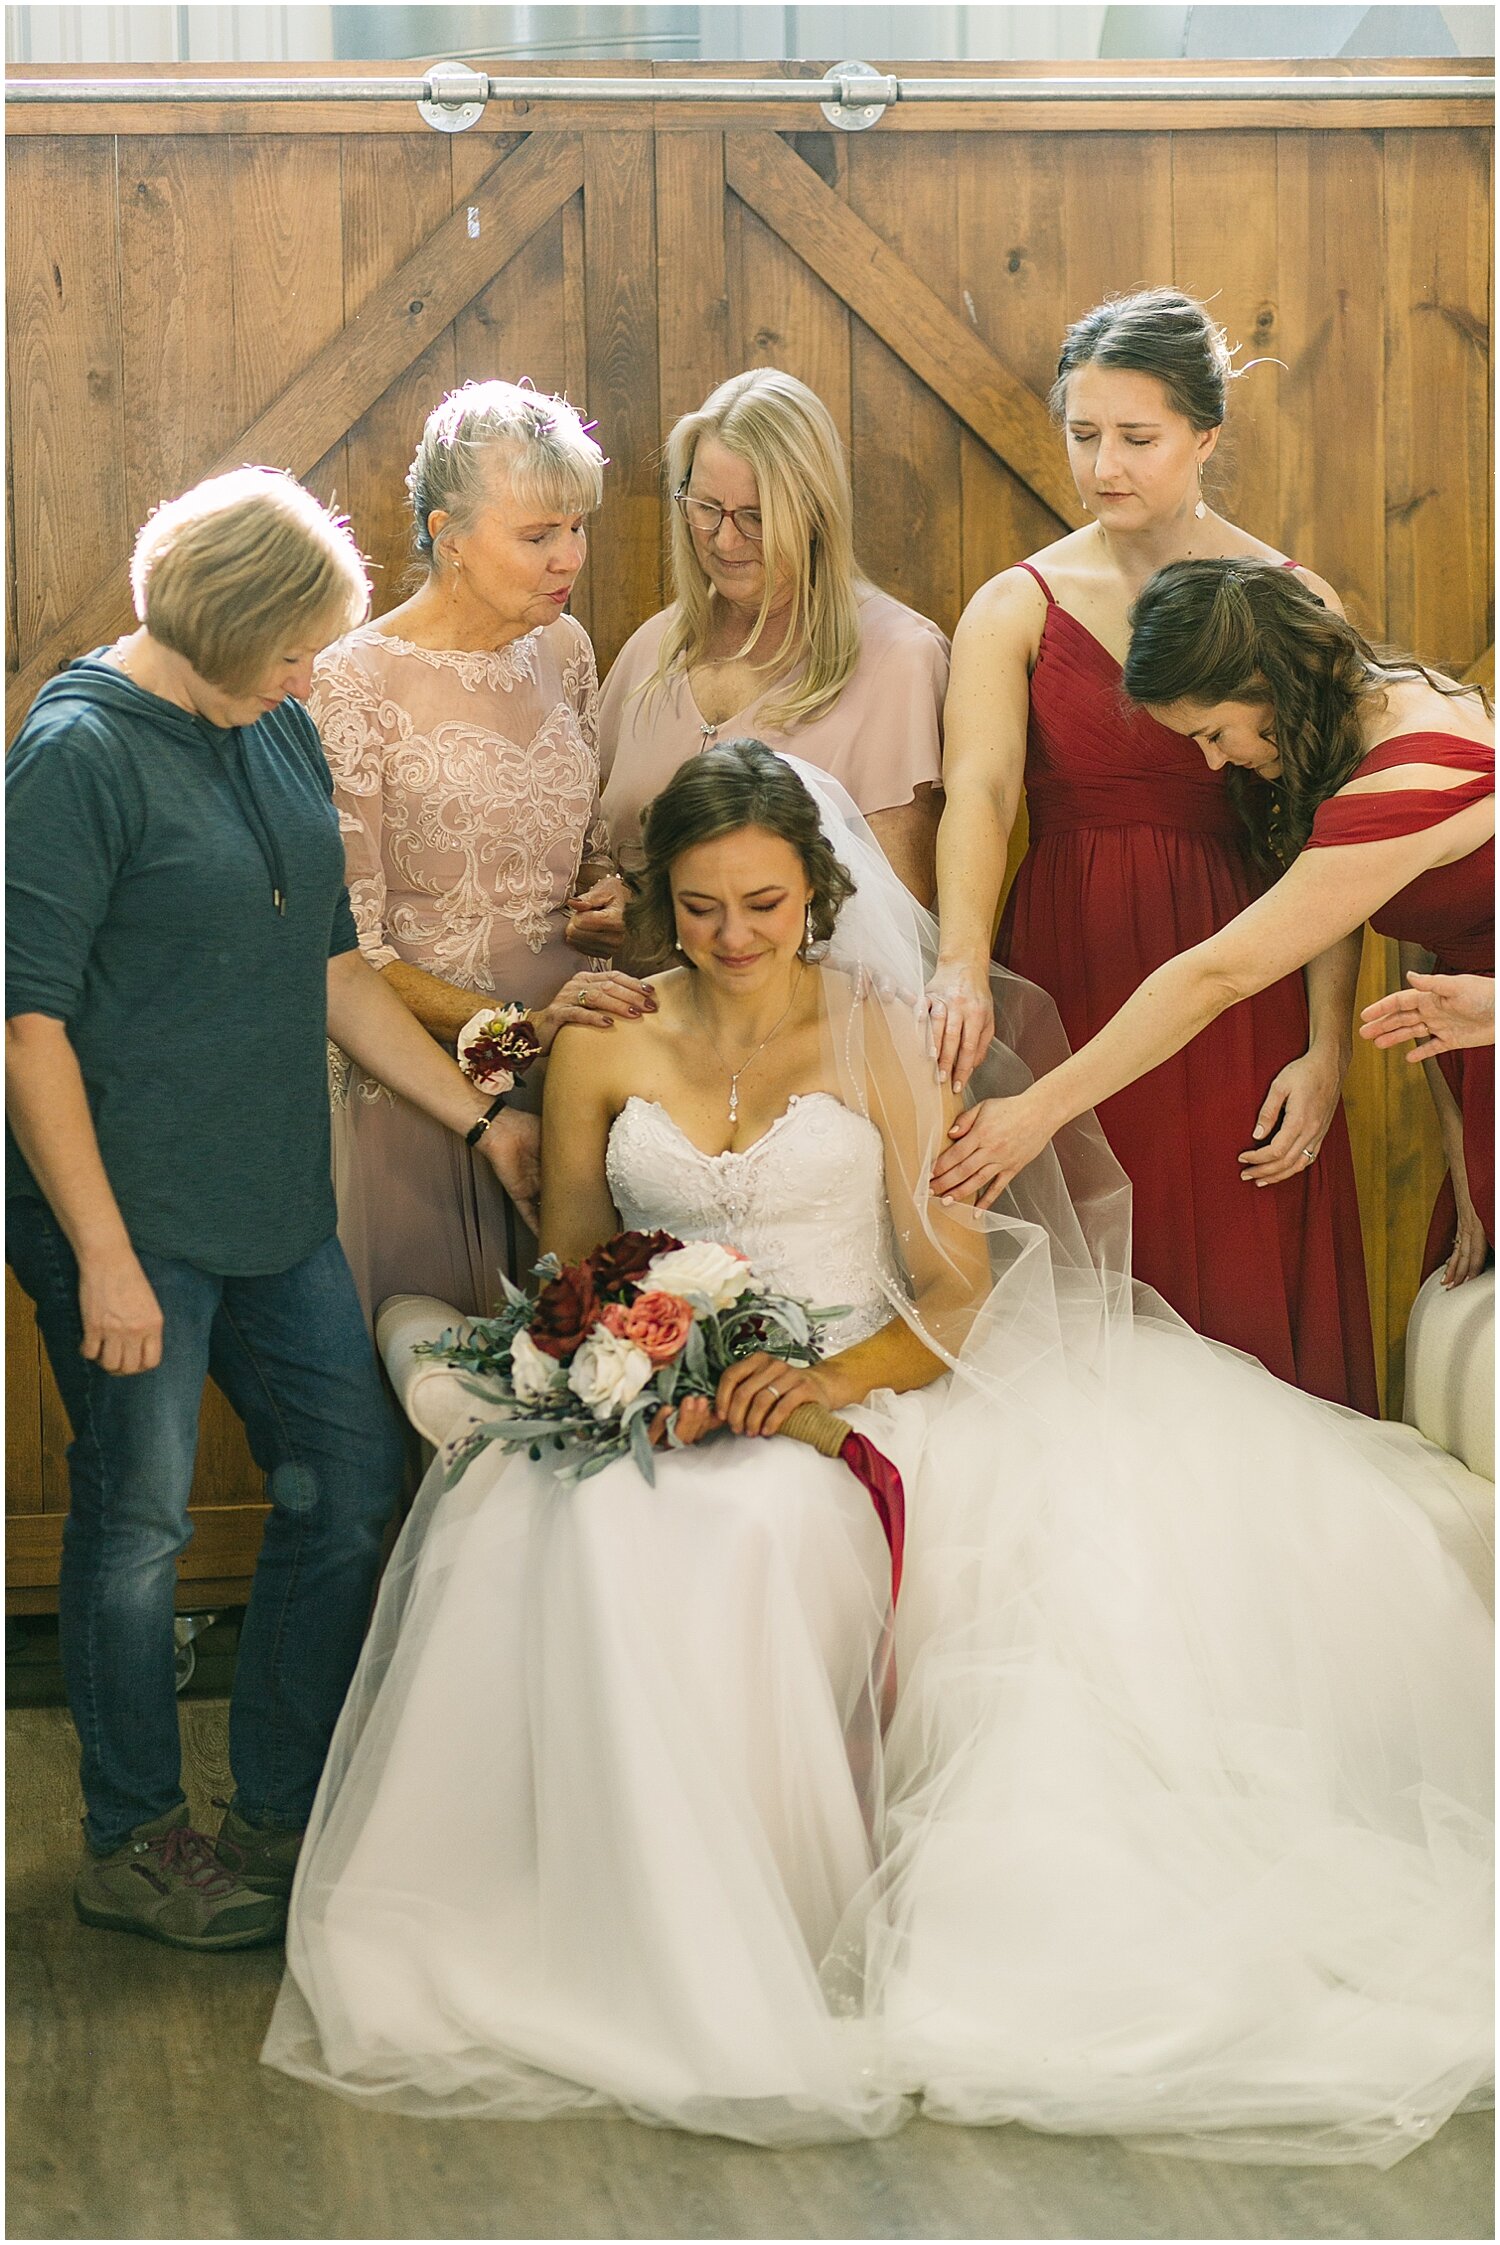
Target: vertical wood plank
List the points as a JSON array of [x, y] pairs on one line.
[[693, 275], [694, 225], [285, 196], [1331, 254], [23, 1402], [177, 272], [1234, 270], [65, 385], [1437, 481], [1013, 290], [530, 320], [906, 462], [1116, 216], [394, 193], [1437, 304], [783, 315], [12, 629], [619, 223], [518, 326], [576, 370]]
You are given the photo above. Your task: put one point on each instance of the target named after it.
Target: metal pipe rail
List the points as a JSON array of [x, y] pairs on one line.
[[852, 96]]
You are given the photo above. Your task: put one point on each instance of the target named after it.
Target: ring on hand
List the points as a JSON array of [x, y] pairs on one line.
[[774, 1390], [1309, 1153]]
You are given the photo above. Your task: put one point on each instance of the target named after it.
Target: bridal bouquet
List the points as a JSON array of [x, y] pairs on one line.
[[610, 1341], [641, 1323]]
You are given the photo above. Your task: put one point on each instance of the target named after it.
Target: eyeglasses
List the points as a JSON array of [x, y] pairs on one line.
[[705, 516]]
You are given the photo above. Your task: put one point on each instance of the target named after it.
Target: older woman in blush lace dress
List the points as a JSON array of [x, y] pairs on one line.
[[461, 732]]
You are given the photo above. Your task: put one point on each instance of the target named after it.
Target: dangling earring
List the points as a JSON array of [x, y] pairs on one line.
[[808, 938], [1201, 509]]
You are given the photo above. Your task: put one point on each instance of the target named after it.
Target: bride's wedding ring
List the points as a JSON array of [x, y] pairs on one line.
[[1309, 1153]]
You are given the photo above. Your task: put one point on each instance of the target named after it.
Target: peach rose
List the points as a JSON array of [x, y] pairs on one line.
[[657, 1323]]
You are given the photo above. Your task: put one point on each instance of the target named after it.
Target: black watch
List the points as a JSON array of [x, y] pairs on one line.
[[472, 1137]]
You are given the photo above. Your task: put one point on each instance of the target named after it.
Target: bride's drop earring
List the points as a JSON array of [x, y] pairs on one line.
[[1201, 509], [809, 938]]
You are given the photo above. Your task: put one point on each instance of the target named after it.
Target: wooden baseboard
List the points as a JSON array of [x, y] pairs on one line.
[[224, 1549]]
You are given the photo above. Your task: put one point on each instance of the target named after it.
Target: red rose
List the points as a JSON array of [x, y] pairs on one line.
[[567, 1309], [657, 1323], [624, 1260]]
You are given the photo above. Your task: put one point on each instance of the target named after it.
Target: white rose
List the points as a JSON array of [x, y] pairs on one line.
[[703, 1273], [533, 1374], [606, 1372]]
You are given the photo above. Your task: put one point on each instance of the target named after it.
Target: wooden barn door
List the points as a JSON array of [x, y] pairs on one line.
[[191, 288]]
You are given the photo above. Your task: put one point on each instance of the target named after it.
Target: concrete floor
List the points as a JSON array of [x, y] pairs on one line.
[[137, 2109]]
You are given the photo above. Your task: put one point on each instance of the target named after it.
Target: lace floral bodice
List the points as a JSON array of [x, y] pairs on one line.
[[467, 788], [806, 1202]]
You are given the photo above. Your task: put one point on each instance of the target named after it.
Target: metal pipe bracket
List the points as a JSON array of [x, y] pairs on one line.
[[455, 97]]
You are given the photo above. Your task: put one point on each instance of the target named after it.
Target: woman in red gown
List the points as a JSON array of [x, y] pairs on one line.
[[1371, 783], [1136, 854]]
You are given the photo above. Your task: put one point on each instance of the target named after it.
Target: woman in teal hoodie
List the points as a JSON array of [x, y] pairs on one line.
[[179, 947]]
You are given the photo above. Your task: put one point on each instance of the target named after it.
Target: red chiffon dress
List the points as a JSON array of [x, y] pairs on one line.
[[1450, 912], [1135, 855]]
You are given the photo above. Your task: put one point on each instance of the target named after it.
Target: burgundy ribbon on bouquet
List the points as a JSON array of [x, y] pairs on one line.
[[835, 1438]]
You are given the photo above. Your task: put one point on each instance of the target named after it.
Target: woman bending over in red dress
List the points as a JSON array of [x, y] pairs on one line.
[[1367, 784], [1135, 855]]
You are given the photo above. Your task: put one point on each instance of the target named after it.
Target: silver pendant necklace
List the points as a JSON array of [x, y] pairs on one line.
[[734, 1074]]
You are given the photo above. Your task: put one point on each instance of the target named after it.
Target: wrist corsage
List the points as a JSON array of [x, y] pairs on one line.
[[496, 1046]]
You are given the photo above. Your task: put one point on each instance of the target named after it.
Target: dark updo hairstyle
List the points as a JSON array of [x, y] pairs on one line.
[[736, 784], [1250, 631], [1157, 331]]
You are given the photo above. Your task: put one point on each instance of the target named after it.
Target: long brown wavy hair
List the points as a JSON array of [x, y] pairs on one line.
[[1249, 631]]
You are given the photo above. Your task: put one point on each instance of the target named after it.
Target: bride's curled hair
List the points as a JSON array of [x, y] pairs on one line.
[[736, 784]]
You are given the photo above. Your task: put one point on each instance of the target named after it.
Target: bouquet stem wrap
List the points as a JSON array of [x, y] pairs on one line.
[[825, 1432]]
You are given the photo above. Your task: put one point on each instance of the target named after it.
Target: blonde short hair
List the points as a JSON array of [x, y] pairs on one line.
[[243, 567], [785, 435], [538, 443]]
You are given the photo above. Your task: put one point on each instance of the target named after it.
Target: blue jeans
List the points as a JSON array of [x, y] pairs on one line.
[[292, 1354]]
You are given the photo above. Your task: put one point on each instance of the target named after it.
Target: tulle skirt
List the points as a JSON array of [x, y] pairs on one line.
[[1181, 1830]]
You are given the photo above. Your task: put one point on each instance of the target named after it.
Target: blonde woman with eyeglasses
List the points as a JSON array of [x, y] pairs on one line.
[[773, 630]]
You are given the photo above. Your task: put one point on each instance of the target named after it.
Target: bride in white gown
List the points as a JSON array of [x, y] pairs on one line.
[[1181, 1829]]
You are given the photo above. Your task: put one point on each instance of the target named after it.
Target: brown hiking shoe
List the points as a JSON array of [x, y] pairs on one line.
[[167, 1882], [262, 1856]]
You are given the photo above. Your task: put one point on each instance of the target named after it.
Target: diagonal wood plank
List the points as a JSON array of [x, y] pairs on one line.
[[394, 326], [884, 292]]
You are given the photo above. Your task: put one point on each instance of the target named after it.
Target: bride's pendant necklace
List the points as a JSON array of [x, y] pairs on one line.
[[734, 1074]]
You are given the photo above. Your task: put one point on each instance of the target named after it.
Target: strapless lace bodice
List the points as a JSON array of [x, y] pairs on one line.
[[806, 1202]]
